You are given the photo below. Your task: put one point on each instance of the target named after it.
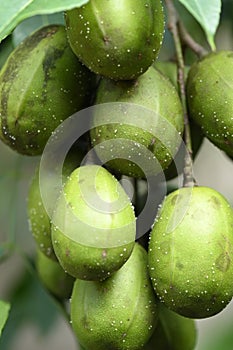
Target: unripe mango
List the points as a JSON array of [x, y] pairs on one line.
[[119, 40], [94, 225], [210, 98], [191, 252], [41, 84], [152, 132], [119, 313], [173, 332], [54, 278]]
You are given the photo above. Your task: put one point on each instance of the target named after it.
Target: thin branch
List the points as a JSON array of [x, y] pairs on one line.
[[174, 29], [186, 38]]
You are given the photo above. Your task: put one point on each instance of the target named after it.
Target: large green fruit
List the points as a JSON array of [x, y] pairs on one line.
[[191, 252], [116, 39], [54, 278], [41, 84], [119, 313], [210, 98], [39, 220], [142, 133], [94, 225], [174, 332]]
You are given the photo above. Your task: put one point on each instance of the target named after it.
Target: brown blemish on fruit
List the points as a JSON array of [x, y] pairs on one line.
[[179, 265], [104, 254], [106, 40], [223, 262], [174, 199]]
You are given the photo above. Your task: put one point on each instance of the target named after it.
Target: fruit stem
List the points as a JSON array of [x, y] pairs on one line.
[[173, 26], [186, 38]]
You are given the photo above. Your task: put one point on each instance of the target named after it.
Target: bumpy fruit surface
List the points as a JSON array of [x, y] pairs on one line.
[[119, 313], [210, 98], [41, 84], [119, 40], [191, 252], [39, 220], [162, 115], [174, 332], [95, 224], [54, 278]]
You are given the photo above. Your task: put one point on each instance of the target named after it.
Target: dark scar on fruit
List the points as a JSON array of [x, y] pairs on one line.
[[49, 63]]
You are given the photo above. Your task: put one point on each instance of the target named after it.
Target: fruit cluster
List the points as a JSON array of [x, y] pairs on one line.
[[123, 296]]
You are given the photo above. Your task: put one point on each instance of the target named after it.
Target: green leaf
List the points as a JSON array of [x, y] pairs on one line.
[[207, 13], [4, 312], [31, 24], [18, 10], [9, 15]]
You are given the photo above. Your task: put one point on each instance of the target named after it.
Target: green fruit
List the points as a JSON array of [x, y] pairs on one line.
[[119, 40], [41, 84], [39, 220], [119, 313], [169, 69], [210, 98], [54, 278], [163, 116], [191, 252], [90, 241], [174, 332]]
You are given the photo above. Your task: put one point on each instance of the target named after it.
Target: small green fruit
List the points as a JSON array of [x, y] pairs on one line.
[[41, 84], [94, 225], [54, 278], [191, 252], [210, 98], [39, 220], [119, 40], [162, 115], [174, 332], [119, 313]]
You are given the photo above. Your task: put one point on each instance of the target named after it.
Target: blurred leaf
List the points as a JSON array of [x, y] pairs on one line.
[[207, 13], [4, 312], [9, 15], [30, 303], [33, 23], [18, 10]]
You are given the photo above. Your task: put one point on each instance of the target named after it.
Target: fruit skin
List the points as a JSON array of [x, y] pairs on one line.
[[119, 40], [191, 252], [41, 84], [173, 332], [119, 313], [39, 220], [210, 98], [156, 93], [90, 260], [54, 278]]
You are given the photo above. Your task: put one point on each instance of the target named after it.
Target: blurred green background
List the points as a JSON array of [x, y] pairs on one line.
[[36, 321]]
